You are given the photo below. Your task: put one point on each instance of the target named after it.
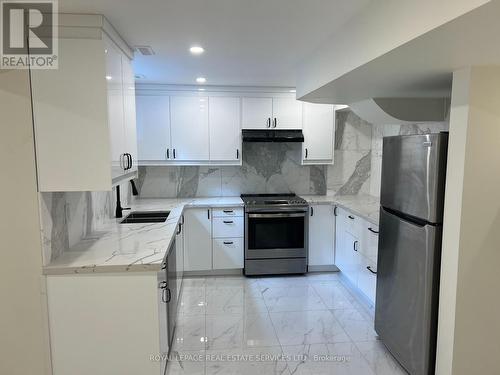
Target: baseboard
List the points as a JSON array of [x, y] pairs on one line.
[[231, 272], [327, 268]]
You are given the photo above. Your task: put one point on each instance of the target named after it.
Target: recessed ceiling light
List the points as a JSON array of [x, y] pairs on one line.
[[201, 80], [196, 50], [109, 78], [201, 89], [293, 90]]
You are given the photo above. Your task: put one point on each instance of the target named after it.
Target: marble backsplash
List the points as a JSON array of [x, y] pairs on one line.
[[68, 217], [266, 168]]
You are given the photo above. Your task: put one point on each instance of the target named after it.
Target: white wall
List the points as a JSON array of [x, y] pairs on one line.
[[23, 324], [469, 331], [376, 30]]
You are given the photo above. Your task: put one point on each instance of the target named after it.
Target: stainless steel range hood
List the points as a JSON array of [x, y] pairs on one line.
[[257, 135]]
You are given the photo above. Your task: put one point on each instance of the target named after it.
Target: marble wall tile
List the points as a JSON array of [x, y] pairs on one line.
[[266, 168]]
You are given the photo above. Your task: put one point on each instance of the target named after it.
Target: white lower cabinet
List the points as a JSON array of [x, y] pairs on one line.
[[106, 324], [198, 239], [321, 235], [227, 253], [356, 245], [213, 239]]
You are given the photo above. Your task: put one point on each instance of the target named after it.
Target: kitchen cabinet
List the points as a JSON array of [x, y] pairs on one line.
[[84, 119], [213, 239], [287, 113], [107, 324], [153, 128], [225, 128], [321, 235], [356, 251], [198, 239], [228, 253], [271, 113], [189, 128], [179, 256], [257, 113], [319, 133]]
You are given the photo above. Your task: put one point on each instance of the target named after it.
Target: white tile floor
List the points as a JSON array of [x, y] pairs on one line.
[[276, 325]]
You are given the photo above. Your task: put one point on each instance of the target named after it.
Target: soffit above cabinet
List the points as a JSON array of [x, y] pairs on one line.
[[423, 66]]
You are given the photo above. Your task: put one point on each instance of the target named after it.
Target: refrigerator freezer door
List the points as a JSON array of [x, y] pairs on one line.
[[407, 291], [413, 175]]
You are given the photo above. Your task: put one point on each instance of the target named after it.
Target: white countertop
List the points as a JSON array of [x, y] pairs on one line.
[[131, 247], [141, 247], [366, 206]]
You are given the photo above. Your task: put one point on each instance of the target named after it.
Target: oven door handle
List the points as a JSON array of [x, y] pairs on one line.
[[259, 216]]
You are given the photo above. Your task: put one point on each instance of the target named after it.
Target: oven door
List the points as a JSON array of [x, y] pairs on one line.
[[276, 234]]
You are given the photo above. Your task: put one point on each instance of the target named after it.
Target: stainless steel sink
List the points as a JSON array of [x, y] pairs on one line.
[[138, 217]]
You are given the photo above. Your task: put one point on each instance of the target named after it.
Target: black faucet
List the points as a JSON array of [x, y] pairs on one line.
[[134, 188], [119, 209]]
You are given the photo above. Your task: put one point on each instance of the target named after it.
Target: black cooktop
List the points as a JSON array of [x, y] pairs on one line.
[[272, 199]]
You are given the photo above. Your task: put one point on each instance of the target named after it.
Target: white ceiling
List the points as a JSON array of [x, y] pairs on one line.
[[247, 42]]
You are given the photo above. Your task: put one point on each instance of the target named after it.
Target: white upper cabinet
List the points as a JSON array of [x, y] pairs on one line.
[[129, 112], [287, 113], [225, 129], [153, 128], [189, 128], [319, 133], [257, 113], [271, 113], [114, 80]]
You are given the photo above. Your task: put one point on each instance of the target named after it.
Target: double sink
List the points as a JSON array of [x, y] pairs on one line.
[[144, 217]]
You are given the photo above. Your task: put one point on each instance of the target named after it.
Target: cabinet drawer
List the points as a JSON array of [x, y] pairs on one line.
[[352, 222], [227, 253], [226, 227], [227, 212], [369, 243], [367, 280]]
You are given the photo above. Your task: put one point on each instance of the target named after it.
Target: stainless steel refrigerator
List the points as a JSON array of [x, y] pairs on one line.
[[409, 254]]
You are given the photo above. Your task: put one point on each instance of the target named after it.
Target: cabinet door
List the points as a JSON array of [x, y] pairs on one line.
[[287, 113], [153, 128], [198, 240], [179, 257], [189, 128], [319, 130], [71, 119], [228, 253], [225, 129], [114, 79], [129, 111], [257, 113], [321, 238]]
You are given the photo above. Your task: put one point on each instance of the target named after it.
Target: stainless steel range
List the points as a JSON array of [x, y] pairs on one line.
[[276, 227]]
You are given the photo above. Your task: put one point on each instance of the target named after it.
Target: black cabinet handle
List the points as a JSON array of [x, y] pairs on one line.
[[355, 245], [228, 242], [269, 122], [312, 211], [168, 153], [275, 122], [372, 230], [370, 269], [306, 154], [166, 296], [208, 214], [174, 153], [130, 160], [179, 228], [237, 154], [228, 211], [351, 217], [335, 211], [228, 222]]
